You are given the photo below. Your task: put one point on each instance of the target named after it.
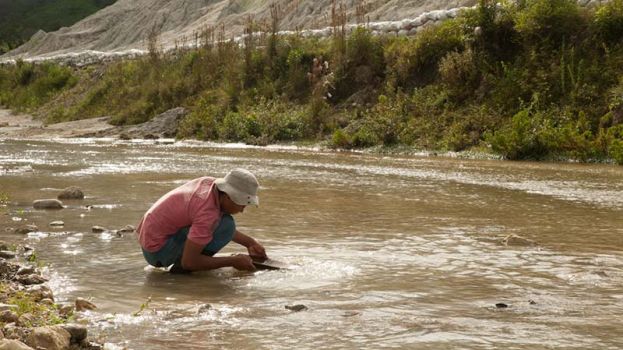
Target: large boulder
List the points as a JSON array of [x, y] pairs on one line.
[[78, 332], [47, 204], [12, 344], [162, 125], [49, 338], [71, 192]]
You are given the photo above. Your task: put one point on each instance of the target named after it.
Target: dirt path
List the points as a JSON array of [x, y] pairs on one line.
[[25, 126]]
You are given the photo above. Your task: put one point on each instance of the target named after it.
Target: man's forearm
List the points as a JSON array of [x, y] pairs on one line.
[[243, 239]]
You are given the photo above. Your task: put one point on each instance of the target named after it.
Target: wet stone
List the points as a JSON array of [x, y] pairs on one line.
[[71, 192], [98, 229], [24, 230], [501, 305], [66, 310], [47, 204], [78, 332], [296, 308], [83, 304], [204, 308], [26, 270], [126, 229], [57, 223], [7, 254], [31, 279]]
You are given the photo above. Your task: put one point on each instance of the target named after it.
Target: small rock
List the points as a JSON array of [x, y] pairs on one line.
[[12, 344], [518, 241], [78, 332], [98, 229], [296, 308], [351, 313], [204, 308], [47, 204], [31, 279], [126, 229], [83, 304], [7, 254], [532, 302], [501, 305], [71, 192], [26, 229], [4, 124], [8, 316], [57, 223], [39, 292], [26, 270], [50, 338]]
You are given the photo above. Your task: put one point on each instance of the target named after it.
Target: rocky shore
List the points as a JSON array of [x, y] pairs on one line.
[[29, 316]]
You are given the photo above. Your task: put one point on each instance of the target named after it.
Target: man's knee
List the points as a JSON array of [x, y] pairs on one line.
[[227, 224]]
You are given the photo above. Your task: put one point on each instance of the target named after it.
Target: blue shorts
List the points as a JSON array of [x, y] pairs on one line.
[[172, 250]]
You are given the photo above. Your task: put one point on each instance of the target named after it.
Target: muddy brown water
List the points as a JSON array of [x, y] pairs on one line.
[[390, 252]]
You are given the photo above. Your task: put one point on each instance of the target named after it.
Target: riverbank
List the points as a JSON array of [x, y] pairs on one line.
[[472, 82], [29, 316]]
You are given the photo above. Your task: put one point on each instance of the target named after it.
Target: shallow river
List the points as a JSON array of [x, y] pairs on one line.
[[388, 252]]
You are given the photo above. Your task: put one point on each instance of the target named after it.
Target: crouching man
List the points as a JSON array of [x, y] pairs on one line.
[[191, 223]]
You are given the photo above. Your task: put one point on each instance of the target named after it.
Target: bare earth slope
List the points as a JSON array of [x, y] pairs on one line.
[[125, 25]]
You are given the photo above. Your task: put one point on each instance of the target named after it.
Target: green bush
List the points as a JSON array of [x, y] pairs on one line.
[[413, 61], [546, 23], [608, 22]]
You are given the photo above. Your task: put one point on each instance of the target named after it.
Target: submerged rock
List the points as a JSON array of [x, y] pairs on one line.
[[98, 229], [296, 308], [71, 192], [24, 230], [518, 241], [50, 338], [47, 204]]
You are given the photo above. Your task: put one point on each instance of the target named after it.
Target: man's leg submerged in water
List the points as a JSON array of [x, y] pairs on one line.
[[171, 252]]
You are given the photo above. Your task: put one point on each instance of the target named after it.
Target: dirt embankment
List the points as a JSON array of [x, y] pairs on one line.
[[126, 25], [15, 125]]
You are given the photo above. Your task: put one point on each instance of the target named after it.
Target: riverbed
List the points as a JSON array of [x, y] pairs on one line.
[[398, 252]]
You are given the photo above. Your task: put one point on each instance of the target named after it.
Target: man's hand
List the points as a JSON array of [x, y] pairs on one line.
[[243, 262], [256, 250]]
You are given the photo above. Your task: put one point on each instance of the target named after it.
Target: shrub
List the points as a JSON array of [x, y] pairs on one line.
[[548, 22], [459, 73], [413, 61], [608, 22]]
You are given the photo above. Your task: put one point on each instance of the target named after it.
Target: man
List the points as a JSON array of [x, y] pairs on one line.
[[191, 223]]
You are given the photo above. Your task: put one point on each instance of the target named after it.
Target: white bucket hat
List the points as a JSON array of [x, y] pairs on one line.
[[241, 186]]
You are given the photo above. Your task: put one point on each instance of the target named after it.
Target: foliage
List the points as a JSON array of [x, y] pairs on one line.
[[42, 314], [533, 79]]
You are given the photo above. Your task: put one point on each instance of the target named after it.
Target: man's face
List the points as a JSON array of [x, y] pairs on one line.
[[229, 207]]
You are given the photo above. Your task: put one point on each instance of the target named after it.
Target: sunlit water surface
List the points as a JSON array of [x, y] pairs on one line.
[[388, 252]]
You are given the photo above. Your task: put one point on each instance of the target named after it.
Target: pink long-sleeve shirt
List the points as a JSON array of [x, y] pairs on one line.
[[193, 204]]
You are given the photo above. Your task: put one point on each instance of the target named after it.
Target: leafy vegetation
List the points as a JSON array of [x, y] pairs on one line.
[[20, 19], [533, 79]]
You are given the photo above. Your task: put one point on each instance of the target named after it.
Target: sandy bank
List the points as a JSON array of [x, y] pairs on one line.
[[17, 125]]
